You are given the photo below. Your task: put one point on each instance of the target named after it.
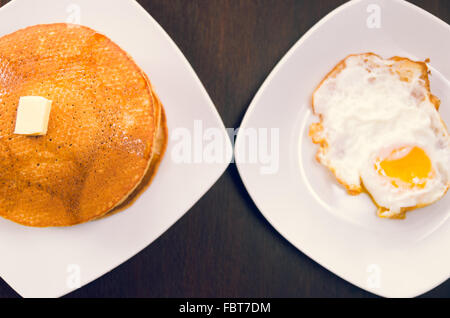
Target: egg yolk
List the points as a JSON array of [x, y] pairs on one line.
[[411, 165]]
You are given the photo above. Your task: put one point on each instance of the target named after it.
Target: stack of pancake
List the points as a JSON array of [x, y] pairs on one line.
[[106, 134]]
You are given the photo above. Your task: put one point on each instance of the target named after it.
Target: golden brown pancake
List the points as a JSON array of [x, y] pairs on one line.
[[102, 133], [159, 149]]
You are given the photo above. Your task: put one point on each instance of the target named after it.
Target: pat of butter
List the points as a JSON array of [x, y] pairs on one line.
[[32, 115]]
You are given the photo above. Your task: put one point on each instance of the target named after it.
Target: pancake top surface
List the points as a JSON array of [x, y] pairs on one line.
[[100, 133]]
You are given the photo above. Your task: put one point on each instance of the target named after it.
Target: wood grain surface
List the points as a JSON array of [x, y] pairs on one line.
[[223, 247]]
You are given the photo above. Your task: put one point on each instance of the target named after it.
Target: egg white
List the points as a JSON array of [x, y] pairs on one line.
[[365, 109]]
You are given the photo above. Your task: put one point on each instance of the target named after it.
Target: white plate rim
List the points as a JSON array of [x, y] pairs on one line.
[[218, 173], [253, 106]]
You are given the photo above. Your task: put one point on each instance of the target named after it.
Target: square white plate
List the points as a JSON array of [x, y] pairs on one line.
[[45, 262], [302, 200]]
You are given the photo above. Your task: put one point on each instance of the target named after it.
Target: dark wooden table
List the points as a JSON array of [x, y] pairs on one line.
[[223, 247]]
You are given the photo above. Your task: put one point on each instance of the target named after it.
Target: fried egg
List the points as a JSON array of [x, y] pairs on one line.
[[380, 132]]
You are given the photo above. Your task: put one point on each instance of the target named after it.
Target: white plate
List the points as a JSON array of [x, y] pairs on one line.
[[45, 262], [303, 201]]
